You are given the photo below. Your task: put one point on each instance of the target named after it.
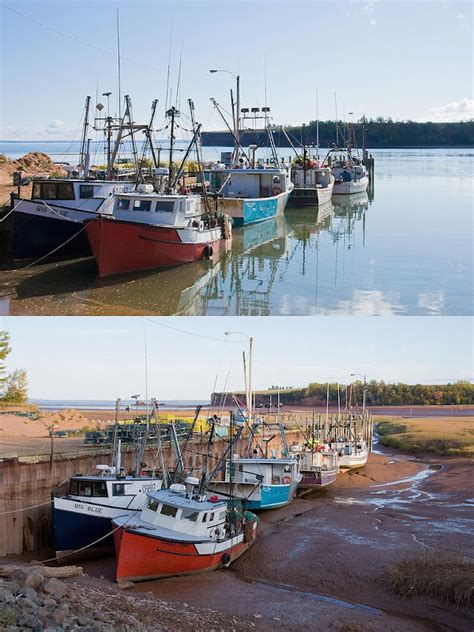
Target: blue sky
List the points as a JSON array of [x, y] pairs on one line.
[[102, 358], [403, 59]]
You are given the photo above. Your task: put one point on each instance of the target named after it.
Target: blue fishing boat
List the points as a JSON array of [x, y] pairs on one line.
[[251, 194]]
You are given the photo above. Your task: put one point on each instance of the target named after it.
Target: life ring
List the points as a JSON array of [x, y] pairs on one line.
[[320, 448], [276, 191], [287, 480]]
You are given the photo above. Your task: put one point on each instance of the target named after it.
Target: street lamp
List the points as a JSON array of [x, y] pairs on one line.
[[237, 113], [249, 395], [365, 389]]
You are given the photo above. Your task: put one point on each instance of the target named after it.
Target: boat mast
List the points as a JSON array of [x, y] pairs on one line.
[[115, 452], [317, 124], [128, 103], [82, 158], [172, 112], [303, 140]]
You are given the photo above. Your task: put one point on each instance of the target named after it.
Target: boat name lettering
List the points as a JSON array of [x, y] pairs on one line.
[[149, 487], [94, 509], [78, 506]]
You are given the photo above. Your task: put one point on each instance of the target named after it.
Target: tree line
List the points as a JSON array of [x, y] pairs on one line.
[[378, 133], [386, 394]]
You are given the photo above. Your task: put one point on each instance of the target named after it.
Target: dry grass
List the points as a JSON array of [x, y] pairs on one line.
[[441, 574], [450, 436]]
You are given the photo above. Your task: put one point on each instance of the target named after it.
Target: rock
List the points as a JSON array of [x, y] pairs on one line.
[[82, 620], [30, 621], [48, 601], [6, 595], [125, 585], [24, 602], [29, 593], [56, 588], [33, 579], [257, 616]]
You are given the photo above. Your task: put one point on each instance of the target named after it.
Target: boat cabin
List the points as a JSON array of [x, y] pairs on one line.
[[249, 183], [95, 488], [313, 178], [147, 207], [176, 510], [262, 471], [88, 195], [313, 460]]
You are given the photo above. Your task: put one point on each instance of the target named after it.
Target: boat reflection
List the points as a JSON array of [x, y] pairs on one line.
[[270, 266]]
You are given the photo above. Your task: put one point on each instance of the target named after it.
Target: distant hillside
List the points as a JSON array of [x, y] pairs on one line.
[[378, 394], [379, 133]]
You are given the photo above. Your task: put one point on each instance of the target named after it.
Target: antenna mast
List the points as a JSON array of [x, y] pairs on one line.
[[119, 71], [82, 158]]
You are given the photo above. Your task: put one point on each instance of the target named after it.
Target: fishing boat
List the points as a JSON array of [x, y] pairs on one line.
[[82, 518], [151, 229], [313, 183], [350, 174], [51, 221], [318, 466], [181, 531], [249, 189], [351, 453]]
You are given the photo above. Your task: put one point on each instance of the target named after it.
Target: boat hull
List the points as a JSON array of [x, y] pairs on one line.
[[122, 246], [350, 461], [316, 479], [142, 557], [34, 236], [313, 196], [73, 531], [245, 212], [352, 187]]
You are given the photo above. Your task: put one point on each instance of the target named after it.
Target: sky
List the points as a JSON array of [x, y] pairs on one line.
[[404, 59], [188, 358]]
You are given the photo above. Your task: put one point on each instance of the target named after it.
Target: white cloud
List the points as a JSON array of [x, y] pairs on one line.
[[373, 22], [56, 130], [452, 112]]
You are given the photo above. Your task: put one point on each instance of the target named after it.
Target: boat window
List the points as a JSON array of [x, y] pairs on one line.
[[189, 514], [123, 204], [100, 489], [48, 191], [168, 510], [36, 190], [85, 489], [65, 191], [141, 205], [222, 515], [276, 479], [74, 488], [118, 489], [211, 517], [86, 191], [153, 504], [164, 206], [204, 517]]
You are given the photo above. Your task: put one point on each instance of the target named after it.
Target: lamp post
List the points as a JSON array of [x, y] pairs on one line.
[[364, 392], [237, 113], [249, 394]]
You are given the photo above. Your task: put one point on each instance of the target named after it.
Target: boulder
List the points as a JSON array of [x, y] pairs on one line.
[[56, 588], [33, 579]]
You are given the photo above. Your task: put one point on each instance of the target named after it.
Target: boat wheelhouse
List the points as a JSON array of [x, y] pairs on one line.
[[82, 519], [148, 230], [56, 212], [313, 185], [180, 532], [251, 194], [318, 467]]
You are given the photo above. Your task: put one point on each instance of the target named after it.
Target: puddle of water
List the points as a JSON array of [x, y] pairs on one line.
[[416, 478], [287, 588]]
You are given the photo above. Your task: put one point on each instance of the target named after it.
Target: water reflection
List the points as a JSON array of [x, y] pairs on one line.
[[390, 253]]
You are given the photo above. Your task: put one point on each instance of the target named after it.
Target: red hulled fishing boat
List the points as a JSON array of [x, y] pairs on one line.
[[181, 532]]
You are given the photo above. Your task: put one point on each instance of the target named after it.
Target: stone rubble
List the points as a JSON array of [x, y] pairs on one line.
[[30, 601]]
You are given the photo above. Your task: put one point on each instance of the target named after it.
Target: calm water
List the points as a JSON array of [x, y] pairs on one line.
[[404, 249], [102, 404]]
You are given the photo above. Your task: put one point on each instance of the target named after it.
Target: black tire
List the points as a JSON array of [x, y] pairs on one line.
[[208, 252], [226, 560]]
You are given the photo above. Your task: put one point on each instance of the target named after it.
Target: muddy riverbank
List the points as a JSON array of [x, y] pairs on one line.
[[321, 562]]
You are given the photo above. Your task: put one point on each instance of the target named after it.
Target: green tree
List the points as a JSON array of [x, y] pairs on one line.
[[16, 387]]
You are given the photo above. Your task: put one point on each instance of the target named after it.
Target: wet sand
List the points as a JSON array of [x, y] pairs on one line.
[[320, 563]]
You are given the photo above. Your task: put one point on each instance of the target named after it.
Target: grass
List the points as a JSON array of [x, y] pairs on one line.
[[441, 574], [444, 436]]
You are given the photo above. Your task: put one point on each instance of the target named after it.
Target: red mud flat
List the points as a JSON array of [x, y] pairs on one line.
[[320, 563]]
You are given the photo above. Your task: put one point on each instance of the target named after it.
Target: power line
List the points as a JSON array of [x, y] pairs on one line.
[[190, 333], [75, 39]]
